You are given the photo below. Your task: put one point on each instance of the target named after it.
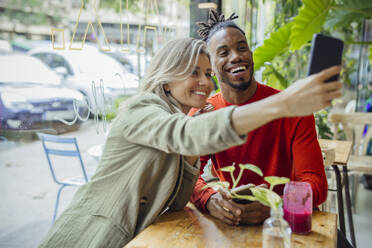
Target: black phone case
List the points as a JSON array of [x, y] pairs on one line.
[[325, 52]]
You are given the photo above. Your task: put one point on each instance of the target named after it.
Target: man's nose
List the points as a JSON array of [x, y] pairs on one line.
[[235, 56]]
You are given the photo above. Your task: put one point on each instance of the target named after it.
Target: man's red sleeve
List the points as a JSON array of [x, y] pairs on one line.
[[308, 159], [200, 197], [192, 111]]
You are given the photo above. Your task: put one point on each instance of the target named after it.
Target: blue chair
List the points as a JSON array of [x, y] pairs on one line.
[[47, 139]]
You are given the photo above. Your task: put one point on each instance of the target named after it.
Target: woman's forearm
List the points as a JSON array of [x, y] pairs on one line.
[[301, 99], [251, 116]]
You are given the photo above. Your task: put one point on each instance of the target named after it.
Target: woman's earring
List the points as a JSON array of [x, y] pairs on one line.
[[166, 89]]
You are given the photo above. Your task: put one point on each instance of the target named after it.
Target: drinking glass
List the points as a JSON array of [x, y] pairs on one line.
[[298, 206]]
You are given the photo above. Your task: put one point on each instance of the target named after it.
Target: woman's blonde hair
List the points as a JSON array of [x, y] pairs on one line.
[[174, 62]]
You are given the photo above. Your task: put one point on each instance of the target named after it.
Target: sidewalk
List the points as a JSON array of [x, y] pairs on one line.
[[28, 192]]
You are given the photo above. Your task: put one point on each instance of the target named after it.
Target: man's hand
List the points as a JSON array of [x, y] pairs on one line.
[[221, 207], [252, 213]]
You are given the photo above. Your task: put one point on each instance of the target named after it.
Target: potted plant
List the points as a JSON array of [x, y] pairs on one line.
[[275, 229]]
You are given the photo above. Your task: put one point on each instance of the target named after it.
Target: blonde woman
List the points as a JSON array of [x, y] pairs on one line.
[[150, 160]]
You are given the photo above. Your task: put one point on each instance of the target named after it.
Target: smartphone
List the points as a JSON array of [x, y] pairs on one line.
[[242, 190], [325, 52]]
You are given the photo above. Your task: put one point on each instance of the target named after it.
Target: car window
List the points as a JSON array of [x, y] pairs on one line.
[[95, 62], [42, 56], [26, 69], [58, 61], [53, 61]]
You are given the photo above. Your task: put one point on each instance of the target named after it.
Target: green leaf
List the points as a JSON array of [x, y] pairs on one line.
[[277, 43], [341, 18], [349, 11], [370, 55], [228, 168], [251, 167], [266, 197], [274, 78], [217, 184], [273, 180], [245, 197], [310, 19]]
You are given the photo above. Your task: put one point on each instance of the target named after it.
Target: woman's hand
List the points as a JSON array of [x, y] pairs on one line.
[[311, 94], [301, 99]]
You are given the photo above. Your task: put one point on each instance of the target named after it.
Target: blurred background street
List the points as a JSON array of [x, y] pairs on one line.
[[27, 190]]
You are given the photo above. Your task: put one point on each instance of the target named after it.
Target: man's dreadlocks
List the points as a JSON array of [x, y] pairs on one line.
[[215, 23]]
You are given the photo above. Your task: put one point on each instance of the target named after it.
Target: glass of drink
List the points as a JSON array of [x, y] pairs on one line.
[[298, 206]]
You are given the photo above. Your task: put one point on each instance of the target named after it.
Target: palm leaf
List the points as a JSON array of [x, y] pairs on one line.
[[251, 167], [310, 19], [277, 43]]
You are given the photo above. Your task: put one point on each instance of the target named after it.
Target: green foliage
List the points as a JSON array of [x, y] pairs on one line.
[[274, 78], [133, 5], [251, 167], [276, 44], [230, 168], [217, 184], [25, 12], [311, 17], [244, 197], [370, 54], [267, 197], [115, 108], [273, 181], [321, 119], [347, 12]]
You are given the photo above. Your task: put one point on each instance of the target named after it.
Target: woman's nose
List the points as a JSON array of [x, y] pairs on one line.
[[205, 81]]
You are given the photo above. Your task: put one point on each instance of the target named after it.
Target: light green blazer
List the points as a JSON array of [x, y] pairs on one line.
[[142, 172]]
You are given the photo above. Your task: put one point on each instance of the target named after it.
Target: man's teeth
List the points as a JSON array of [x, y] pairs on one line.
[[200, 93], [240, 68]]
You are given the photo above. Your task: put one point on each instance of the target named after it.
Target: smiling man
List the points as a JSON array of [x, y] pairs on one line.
[[286, 147]]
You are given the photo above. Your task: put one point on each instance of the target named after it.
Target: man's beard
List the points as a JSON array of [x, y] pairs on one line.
[[242, 86]]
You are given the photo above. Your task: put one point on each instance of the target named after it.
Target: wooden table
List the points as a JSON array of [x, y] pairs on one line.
[[343, 149], [190, 228]]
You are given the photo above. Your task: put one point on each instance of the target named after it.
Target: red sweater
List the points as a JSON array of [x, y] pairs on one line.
[[286, 147]]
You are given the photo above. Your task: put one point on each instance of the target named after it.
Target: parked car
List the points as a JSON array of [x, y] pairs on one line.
[[99, 77], [31, 96]]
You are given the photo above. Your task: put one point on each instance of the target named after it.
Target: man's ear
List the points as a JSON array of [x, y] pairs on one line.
[[166, 88]]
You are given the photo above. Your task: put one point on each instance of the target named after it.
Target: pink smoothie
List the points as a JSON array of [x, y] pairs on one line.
[[299, 222]]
